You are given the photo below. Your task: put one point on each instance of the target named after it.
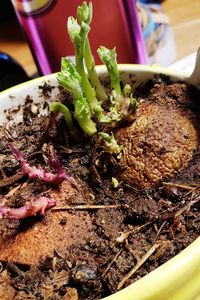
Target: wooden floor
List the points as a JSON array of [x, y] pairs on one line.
[[185, 22]]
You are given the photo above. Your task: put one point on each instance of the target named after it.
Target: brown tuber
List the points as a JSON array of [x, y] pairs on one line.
[[160, 142]]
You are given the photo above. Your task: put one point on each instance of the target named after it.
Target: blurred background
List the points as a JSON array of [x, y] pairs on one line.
[[154, 32]]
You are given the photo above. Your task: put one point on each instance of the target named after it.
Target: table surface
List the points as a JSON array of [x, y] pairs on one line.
[[184, 17], [185, 22]]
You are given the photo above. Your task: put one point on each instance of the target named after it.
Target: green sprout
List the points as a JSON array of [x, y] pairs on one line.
[[70, 79], [78, 36], [57, 106], [110, 143], [84, 14], [60, 107], [114, 182], [122, 101], [109, 58], [127, 93]]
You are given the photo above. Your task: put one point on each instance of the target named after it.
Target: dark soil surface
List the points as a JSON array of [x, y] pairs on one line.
[[85, 247]]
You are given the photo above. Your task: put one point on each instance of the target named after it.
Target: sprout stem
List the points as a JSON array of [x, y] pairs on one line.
[[71, 80], [57, 106], [92, 73], [109, 58], [78, 35], [84, 14]]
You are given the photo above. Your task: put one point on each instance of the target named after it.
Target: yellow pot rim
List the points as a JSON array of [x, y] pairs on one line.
[[101, 68]]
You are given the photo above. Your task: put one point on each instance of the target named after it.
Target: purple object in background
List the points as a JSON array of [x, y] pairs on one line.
[[114, 24], [136, 31]]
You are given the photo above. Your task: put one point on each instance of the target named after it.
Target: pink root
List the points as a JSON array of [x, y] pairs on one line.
[[37, 206], [39, 172]]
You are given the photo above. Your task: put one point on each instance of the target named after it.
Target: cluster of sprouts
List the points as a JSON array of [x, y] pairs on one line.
[[82, 81]]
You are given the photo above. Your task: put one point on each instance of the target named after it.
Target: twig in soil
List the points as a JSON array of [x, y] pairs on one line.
[[125, 235], [45, 192], [138, 265], [10, 180], [176, 220], [112, 261], [181, 186], [130, 249], [192, 190], [162, 249], [85, 207], [187, 206], [155, 227], [159, 231], [15, 189], [23, 295]]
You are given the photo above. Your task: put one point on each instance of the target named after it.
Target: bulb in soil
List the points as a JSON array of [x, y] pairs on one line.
[[159, 143]]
